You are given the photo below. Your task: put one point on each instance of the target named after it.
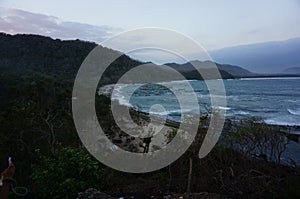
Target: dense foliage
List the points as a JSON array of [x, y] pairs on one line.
[[62, 176]]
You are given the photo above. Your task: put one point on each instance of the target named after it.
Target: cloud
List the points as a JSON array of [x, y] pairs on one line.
[[157, 45], [167, 45], [15, 21]]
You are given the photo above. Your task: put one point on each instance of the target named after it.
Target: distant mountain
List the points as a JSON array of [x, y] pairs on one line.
[[293, 70], [226, 69], [235, 70], [268, 57]]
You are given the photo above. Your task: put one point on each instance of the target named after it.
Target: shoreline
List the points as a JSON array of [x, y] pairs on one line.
[[292, 130], [290, 155]]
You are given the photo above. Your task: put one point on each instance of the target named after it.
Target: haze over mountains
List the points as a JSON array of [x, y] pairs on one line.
[[293, 70], [268, 57]]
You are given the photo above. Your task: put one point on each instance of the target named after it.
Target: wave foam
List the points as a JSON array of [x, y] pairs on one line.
[[282, 122], [294, 112], [221, 108], [241, 113], [173, 112]]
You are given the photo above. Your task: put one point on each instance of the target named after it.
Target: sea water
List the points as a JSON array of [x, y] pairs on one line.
[[272, 100]]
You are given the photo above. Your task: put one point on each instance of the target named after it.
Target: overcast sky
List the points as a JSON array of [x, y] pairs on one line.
[[214, 24]]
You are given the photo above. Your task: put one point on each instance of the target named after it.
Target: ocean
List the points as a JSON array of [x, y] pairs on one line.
[[272, 100]]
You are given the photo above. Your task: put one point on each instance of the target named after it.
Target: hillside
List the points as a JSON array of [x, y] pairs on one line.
[[235, 70], [39, 56], [226, 70], [26, 57]]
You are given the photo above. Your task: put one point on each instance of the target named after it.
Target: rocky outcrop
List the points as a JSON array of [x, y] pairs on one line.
[[92, 193]]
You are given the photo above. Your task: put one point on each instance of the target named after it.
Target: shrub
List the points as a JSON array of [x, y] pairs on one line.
[[71, 171]]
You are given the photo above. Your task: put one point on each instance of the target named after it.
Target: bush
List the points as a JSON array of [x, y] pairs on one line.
[[71, 171], [260, 140]]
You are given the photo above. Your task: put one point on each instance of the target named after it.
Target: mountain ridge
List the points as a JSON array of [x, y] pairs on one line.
[[266, 57], [40, 55], [235, 71], [24, 54]]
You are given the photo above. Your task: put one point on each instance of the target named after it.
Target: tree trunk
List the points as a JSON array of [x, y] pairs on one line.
[[170, 178], [190, 176]]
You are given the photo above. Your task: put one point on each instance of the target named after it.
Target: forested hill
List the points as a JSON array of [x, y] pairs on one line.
[[34, 54], [226, 70], [37, 76]]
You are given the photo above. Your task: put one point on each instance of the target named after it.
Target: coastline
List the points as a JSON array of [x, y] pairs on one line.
[[292, 130], [290, 156]]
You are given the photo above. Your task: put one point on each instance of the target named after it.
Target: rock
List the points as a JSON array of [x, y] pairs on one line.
[[92, 193]]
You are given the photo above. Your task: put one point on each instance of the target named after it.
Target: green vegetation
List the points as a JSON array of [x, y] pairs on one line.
[[62, 176]]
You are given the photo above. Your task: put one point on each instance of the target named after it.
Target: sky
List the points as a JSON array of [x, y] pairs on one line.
[[214, 24]]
